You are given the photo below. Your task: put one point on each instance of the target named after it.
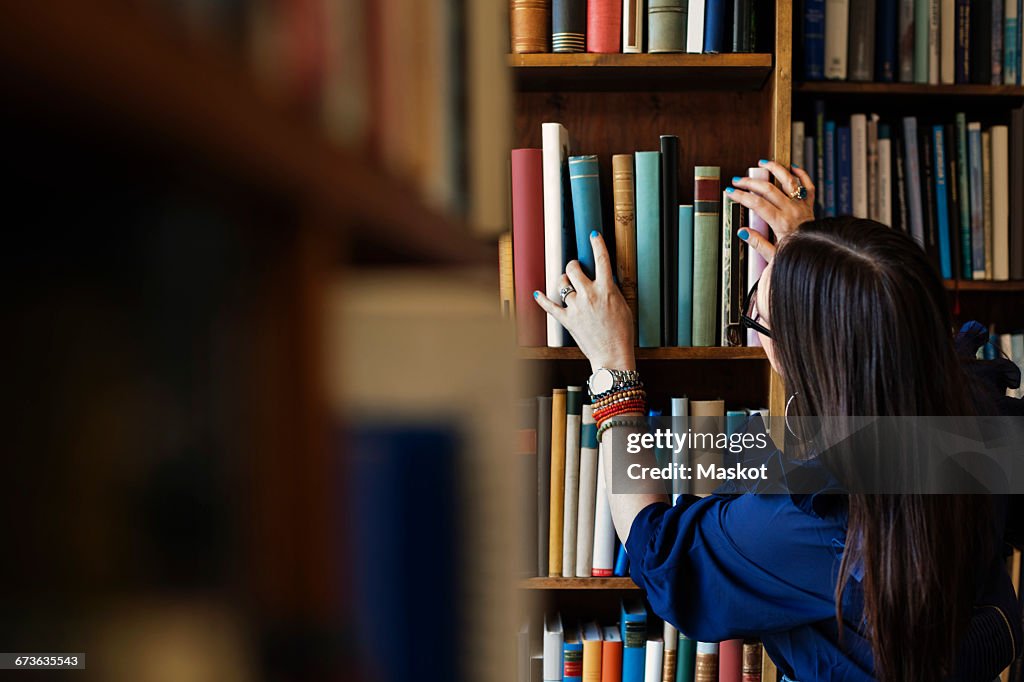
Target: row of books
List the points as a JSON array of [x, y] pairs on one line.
[[632, 26], [947, 183], [682, 268], [639, 648], [912, 41]]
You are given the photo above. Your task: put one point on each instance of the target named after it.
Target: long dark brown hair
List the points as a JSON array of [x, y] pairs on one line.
[[861, 327]]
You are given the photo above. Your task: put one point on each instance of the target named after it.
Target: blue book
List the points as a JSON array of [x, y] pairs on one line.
[[844, 172], [621, 561], [584, 178], [714, 25], [648, 247], [1011, 48], [814, 40], [941, 200], [572, 655], [633, 626], [830, 168], [977, 200], [887, 63], [912, 166], [962, 48], [685, 317], [988, 351]]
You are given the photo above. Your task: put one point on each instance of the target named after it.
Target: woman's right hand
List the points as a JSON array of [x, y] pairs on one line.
[[783, 213]]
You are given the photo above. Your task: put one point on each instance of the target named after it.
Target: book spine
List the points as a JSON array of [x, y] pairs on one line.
[[529, 25], [666, 26], [830, 168], [901, 218], [572, 662], [796, 151], [634, 649], [977, 200], [706, 663], [928, 195], [554, 643], [1011, 43], [1016, 198], [753, 652], [941, 201], [528, 243], [684, 317], [730, 660], [906, 41], [543, 483], [588, 494], [810, 160], [686, 659], [819, 157], [633, 21], [584, 177], [964, 196], [604, 25], [557, 217], [872, 167], [570, 509], [1000, 202], [695, 26], [591, 660], [962, 49], [997, 41], [884, 176], [861, 57], [611, 661], [706, 216], [648, 246], [844, 172], [952, 192], [568, 25], [947, 27], [859, 164], [743, 17], [981, 41], [888, 21], [714, 26], [913, 178], [986, 197], [506, 278], [725, 270], [934, 45], [755, 262], [921, 25], [669, 238], [558, 398], [814, 40], [621, 561], [604, 531], [837, 22], [625, 229]]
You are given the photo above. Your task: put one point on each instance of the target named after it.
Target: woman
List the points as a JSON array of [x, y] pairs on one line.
[[838, 587]]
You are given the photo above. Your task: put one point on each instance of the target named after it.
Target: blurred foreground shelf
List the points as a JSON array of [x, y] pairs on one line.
[[689, 353], [578, 584]]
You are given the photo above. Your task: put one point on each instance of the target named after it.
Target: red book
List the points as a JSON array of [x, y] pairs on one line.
[[528, 244], [730, 660], [604, 25]]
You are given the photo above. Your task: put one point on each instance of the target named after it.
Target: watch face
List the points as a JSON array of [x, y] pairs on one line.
[[601, 381]]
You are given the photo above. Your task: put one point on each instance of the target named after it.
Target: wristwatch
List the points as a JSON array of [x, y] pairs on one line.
[[604, 380]]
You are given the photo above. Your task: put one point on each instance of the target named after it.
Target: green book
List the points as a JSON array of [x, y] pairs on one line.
[[684, 317], [966, 268], [686, 659], [707, 212], [648, 247], [921, 27]]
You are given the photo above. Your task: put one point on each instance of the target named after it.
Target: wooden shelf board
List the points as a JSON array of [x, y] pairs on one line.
[[709, 353], [907, 89], [612, 72], [578, 584], [123, 73], [985, 286]]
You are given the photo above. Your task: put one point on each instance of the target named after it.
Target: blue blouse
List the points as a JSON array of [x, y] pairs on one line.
[[765, 566]]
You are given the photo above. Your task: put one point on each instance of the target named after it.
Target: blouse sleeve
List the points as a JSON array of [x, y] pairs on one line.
[[722, 567]]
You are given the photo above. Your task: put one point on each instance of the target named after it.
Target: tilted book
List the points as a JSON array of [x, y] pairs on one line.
[[666, 26], [584, 177], [558, 399], [684, 317], [573, 418], [669, 237], [588, 494], [559, 227], [528, 244], [625, 229], [568, 25], [604, 25], [604, 531], [648, 247], [707, 209], [633, 21], [530, 24]]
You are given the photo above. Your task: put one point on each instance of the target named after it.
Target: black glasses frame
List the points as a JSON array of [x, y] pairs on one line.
[[750, 322]]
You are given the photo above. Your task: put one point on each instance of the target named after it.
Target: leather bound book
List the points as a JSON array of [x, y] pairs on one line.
[[730, 660], [706, 665], [625, 229], [530, 21], [584, 178], [753, 652], [714, 25], [604, 25], [633, 21], [528, 244], [706, 220], [668, 666], [648, 247], [568, 25], [666, 25], [669, 237]]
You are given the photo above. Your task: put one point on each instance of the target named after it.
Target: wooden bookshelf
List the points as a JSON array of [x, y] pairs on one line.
[[578, 584], [985, 286], [711, 353], [907, 89]]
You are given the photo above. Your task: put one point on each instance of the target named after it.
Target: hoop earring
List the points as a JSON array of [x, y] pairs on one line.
[[786, 416]]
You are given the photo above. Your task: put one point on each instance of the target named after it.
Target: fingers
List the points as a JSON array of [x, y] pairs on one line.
[[785, 178], [807, 182], [602, 261], [554, 309], [563, 282], [763, 188], [756, 203], [762, 246], [577, 277]]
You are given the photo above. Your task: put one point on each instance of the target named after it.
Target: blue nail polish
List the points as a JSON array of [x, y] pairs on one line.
[[593, 235], [729, 190], [536, 294], [794, 165], [736, 179], [763, 161], [743, 234]]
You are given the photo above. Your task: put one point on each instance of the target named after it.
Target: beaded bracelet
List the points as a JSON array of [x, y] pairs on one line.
[[623, 387], [636, 405], [618, 396], [638, 422]]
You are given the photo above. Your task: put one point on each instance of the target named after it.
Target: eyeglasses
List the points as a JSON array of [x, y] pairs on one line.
[[750, 315]]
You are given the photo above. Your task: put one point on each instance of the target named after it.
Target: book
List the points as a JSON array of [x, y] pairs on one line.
[[553, 643], [604, 531], [543, 483], [654, 659], [526, 453], [837, 23], [706, 216], [524, 653], [506, 277], [633, 21], [604, 25], [753, 653], [559, 225], [1000, 202], [686, 659], [558, 400], [648, 247], [884, 175], [947, 40], [669, 238], [680, 408], [570, 509], [796, 151], [584, 176], [814, 40], [1011, 43], [611, 654], [922, 24], [981, 42], [953, 200], [592, 650], [962, 48], [859, 164], [810, 159], [621, 561], [976, 198], [861, 57], [730, 660], [528, 244], [568, 25], [872, 167], [670, 637], [587, 494], [887, 14], [931, 240], [695, 26], [706, 663], [625, 229], [734, 273], [666, 26], [1016, 198], [529, 25], [997, 42], [901, 216], [906, 43], [941, 201], [819, 156], [705, 416], [743, 26], [572, 655], [964, 196], [844, 172], [986, 197], [633, 628], [934, 46], [684, 317], [830, 168], [725, 270], [911, 165], [714, 25]]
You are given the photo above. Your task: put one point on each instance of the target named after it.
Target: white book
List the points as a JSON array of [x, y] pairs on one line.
[[933, 42], [797, 144], [588, 495], [570, 509], [695, 26], [680, 413], [555, 155], [837, 30], [1000, 202], [885, 181], [633, 26], [808, 164], [554, 639], [859, 164], [655, 659], [604, 530], [947, 39]]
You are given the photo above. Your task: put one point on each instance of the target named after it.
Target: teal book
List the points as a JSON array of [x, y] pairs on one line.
[[707, 215], [584, 179], [648, 247], [964, 204], [684, 319], [921, 27], [633, 625], [686, 659]]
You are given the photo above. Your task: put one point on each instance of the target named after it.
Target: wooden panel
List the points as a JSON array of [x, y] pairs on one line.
[[985, 285], [781, 82], [712, 353]]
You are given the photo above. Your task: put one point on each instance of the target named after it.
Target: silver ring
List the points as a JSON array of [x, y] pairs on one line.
[[565, 291], [799, 194]]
